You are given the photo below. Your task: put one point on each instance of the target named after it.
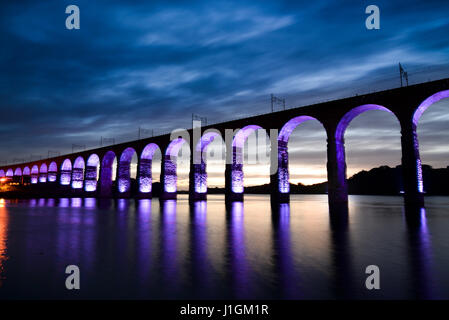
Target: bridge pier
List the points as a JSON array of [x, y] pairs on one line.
[[231, 196], [279, 177], [144, 178], [90, 179], [411, 166], [336, 174], [197, 181], [168, 178]]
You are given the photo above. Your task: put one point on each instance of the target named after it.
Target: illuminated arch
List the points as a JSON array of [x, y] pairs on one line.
[[284, 135], [9, 173], [91, 173], [124, 170], [170, 175], [145, 173], [18, 172], [2, 173], [66, 172], [43, 173], [427, 103], [34, 174], [106, 174], [78, 173], [340, 133], [199, 163], [26, 171], [238, 143], [52, 172]]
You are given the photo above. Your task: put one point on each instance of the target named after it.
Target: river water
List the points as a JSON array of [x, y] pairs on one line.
[[144, 249]]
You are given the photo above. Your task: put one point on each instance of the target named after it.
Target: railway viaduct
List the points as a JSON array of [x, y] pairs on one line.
[[76, 173]]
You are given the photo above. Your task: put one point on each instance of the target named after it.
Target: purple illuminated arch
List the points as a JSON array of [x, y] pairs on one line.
[[238, 143], [145, 174], [90, 183], [170, 175], [78, 173], [2, 173], [9, 173], [284, 135], [18, 172], [66, 172], [43, 173], [428, 102], [340, 133], [199, 161], [52, 171], [26, 171], [106, 174], [124, 170], [34, 174], [352, 114]]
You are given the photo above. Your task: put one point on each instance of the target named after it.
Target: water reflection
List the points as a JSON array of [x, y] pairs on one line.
[[289, 280], [4, 220], [238, 267], [420, 253], [169, 249], [341, 255], [173, 249]]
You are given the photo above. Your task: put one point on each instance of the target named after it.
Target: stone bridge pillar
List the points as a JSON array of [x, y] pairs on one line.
[[197, 181], [279, 177], [105, 182], [336, 174], [411, 165], [90, 180], [168, 177], [123, 179], [144, 178], [233, 174]]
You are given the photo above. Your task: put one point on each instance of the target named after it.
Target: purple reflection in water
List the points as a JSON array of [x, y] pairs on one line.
[[90, 203], [76, 202], [169, 247], [200, 260], [239, 268], [64, 202]]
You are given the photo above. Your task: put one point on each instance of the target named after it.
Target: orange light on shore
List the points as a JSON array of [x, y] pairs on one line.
[[3, 180]]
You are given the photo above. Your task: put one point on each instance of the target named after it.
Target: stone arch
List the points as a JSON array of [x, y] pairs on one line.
[[283, 137], [18, 172], [66, 172], [90, 183], [238, 143], [106, 174], [145, 168], [2, 173], [124, 171], [199, 160], [78, 173], [34, 174], [427, 103], [170, 174], [9, 173], [43, 172], [338, 191], [52, 172]]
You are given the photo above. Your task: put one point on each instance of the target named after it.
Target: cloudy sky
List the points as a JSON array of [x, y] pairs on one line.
[[152, 64]]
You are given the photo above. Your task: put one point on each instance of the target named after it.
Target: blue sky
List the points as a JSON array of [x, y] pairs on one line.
[[153, 63]]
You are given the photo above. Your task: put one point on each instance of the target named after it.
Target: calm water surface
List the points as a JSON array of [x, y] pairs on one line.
[[150, 250]]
